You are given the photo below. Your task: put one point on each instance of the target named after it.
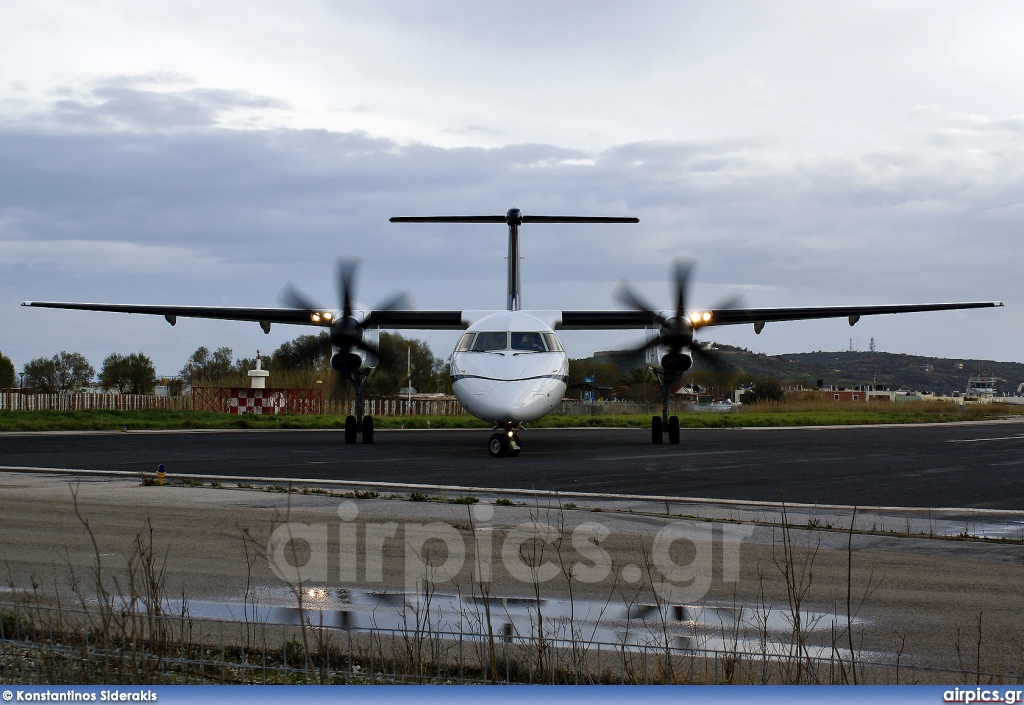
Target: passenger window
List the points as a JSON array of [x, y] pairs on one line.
[[552, 340], [530, 342], [487, 341], [465, 342]]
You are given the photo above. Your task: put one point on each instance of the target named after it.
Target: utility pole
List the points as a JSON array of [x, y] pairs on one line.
[[408, 378]]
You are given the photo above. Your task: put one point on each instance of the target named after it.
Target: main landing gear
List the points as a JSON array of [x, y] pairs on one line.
[[659, 429], [358, 425], [665, 425], [504, 443]]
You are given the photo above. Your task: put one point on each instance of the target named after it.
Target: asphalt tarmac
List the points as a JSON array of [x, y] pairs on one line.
[[947, 465]]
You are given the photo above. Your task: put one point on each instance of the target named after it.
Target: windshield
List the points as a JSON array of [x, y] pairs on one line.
[[488, 341], [529, 342]]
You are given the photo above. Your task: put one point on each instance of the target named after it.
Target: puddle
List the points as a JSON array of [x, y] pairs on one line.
[[685, 627]]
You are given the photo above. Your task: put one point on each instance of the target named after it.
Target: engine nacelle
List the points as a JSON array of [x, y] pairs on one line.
[[676, 362], [346, 362]]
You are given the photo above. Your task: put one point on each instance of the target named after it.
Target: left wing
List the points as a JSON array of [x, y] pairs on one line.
[[267, 316], [608, 320]]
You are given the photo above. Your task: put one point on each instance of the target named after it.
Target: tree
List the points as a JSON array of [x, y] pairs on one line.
[[289, 356], [6, 372], [429, 373], [204, 367], [61, 373], [640, 385], [128, 374], [605, 374], [764, 390]]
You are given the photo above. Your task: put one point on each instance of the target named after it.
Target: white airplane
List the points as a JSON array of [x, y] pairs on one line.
[[509, 368]]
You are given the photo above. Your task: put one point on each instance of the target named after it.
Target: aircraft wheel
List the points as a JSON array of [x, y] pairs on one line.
[[673, 430], [367, 429], [351, 429], [497, 445], [656, 430]]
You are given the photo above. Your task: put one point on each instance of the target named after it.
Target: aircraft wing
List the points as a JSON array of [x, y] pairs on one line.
[[625, 319], [732, 316], [267, 316]]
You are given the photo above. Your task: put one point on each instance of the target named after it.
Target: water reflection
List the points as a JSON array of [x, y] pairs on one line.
[[686, 627]]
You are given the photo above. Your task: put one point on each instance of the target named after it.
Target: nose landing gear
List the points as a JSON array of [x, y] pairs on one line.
[[504, 443]]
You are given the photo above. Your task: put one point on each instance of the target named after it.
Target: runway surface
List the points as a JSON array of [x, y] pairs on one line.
[[949, 465]]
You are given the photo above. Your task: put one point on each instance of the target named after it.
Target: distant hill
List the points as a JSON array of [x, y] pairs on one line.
[[848, 369]]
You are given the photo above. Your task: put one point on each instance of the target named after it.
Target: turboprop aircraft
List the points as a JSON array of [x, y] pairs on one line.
[[509, 367]]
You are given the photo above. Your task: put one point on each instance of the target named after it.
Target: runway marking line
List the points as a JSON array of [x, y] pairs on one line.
[[744, 503], [1018, 437]]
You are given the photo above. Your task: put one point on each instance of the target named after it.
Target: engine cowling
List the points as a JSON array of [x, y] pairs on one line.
[[676, 362], [346, 362]]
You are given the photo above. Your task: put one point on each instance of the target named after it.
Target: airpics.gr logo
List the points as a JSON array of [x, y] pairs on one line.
[[677, 561], [982, 695]]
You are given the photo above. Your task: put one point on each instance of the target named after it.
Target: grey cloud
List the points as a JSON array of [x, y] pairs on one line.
[[129, 102], [222, 216]]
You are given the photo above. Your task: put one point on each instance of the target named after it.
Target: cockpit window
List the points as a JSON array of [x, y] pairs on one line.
[[552, 340], [465, 342], [487, 341], [529, 342]]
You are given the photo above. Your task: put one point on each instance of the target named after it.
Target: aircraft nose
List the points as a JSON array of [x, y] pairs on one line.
[[511, 396]]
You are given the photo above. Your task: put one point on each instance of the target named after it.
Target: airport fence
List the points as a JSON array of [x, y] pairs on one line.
[[397, 406], [573, 407], [220, 400], [298, 401], [69, 646], [16, 401]]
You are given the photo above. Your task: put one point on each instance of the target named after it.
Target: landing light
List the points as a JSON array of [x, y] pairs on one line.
[[695, 317], [316, 318], [510, 434], [328, 315], [706, 316]]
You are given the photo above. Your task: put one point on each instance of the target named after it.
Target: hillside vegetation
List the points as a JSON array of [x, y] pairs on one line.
[[848, 369]]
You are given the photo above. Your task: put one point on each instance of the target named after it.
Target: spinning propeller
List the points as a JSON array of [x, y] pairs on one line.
[[676, 331], [346, 332]]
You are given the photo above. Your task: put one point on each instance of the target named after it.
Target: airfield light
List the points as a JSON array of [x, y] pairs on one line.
[[706, 316]]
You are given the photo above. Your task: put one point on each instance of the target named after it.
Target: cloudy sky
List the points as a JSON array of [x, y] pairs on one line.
[[808, 153]]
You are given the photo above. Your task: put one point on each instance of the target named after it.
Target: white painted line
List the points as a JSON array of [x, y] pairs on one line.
[[655, 454], [1018, 437], [739, 503]]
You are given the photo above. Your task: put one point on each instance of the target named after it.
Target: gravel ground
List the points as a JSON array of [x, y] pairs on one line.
[[923, 594]]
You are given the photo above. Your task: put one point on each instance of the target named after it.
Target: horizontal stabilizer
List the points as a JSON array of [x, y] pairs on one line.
[[513, 217]]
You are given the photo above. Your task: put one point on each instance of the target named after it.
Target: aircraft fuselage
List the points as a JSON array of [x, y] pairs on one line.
[[509, 367]]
